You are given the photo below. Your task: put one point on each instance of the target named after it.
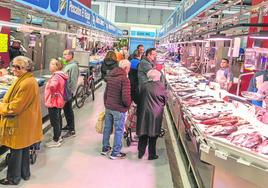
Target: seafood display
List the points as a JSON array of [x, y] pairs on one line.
[[215, 117]]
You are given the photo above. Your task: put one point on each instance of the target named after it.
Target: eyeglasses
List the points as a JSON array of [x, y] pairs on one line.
[[17, 67]]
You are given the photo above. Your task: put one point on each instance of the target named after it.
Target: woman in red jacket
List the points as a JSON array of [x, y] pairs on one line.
[[54, 100]]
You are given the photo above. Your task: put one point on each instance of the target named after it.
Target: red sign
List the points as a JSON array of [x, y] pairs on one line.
[[86, 3]]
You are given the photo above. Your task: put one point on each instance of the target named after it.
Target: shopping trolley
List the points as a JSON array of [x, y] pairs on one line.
[[130, 125]]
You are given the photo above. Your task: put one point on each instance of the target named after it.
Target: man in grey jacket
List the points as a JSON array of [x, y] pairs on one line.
[[146, 64], [72, 70]]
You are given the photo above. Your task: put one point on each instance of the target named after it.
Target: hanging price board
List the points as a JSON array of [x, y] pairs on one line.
[[3, 42]]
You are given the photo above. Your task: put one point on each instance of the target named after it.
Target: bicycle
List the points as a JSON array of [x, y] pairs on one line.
[[86, 89]]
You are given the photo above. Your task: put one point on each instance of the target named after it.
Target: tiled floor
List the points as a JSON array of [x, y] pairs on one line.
[[78, 163]]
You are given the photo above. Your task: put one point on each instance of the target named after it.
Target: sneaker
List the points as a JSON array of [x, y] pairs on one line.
[[106, 152], [53, 144], [69, 134], [60, 140], [118, 156]]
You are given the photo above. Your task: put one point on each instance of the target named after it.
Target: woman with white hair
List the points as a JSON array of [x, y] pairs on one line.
[[117, 100], [152, 99], [21, 120]]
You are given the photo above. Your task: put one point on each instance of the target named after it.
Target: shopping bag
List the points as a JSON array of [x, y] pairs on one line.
[[100, 123], [131, 117]]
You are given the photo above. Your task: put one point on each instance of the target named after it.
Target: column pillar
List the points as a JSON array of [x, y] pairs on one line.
[[5, 16]]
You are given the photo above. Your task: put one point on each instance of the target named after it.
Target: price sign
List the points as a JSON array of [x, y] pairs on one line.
[[205, 148], [221, 154], [3, 42]]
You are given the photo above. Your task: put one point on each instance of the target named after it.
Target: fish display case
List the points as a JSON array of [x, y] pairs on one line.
[[224, 143]]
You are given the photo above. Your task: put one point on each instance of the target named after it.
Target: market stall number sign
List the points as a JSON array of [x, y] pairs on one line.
[[3, 42]]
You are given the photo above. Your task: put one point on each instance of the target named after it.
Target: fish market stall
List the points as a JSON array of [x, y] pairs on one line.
[[224, 142]]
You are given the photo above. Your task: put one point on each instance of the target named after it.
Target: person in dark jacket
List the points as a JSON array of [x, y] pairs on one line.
[[146, 64], [117, 101], [133, 76], [152, 99], [14, 50], [109, 63]]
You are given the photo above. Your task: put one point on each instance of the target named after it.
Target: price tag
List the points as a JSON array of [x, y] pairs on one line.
[[205, 148], [221, 154], [242, 161]]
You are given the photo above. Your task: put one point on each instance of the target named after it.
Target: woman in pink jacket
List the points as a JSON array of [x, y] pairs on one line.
[[54, 100]]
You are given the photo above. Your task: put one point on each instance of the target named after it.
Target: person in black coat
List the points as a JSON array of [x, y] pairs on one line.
[[152, 99], [14, 50], [109, 63], [133, 76]]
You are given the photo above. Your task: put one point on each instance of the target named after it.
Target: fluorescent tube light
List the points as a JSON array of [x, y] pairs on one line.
[[219, 39], [259, 37]]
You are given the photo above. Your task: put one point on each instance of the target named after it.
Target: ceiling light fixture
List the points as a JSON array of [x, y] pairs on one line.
[[218, 37], [260, 35]]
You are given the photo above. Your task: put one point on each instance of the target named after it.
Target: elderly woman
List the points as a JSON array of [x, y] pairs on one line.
[[152, 100], [20, 124]]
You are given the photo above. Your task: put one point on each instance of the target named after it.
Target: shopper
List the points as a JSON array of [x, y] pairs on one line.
[[224, 75], [140, 49], [54, 100], [133, 75], [14, 49], [117, 101], [72, 70], [21, 120], [109, 63], [150, 110], [146, 64]]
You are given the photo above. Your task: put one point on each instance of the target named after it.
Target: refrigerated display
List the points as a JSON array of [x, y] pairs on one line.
[[224, 142]]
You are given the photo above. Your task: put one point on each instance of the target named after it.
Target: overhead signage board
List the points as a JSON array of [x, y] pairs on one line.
[[78, 12], [145, 34], [72, 10]]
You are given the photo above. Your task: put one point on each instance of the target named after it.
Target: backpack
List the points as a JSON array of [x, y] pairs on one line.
[[67, 95]]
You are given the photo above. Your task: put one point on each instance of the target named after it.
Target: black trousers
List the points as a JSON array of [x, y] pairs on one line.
[[18, 165], [69, 114], [56, 122], [146, 140]]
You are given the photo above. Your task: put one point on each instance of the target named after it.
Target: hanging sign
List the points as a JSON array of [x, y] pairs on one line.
[[72, 10], [78, 12], [3, 42], [142, 34], [32, 40]]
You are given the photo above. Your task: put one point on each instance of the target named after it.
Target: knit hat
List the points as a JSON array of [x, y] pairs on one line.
[[154, 75]]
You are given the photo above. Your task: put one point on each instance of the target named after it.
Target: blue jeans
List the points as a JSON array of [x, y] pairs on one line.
[[116, 119]]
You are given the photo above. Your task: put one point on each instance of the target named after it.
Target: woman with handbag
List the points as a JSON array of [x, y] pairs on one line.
[[21, 120]]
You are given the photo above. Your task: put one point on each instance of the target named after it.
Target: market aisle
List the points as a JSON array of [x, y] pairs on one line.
[[78, 163]]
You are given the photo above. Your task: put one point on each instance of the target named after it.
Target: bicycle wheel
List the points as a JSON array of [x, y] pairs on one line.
[[80, 96]]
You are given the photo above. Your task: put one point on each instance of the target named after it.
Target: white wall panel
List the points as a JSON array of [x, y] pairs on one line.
[[120, 14], [132, 15]]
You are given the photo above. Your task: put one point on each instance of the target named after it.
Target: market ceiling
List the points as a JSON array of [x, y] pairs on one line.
[[170, 3]]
